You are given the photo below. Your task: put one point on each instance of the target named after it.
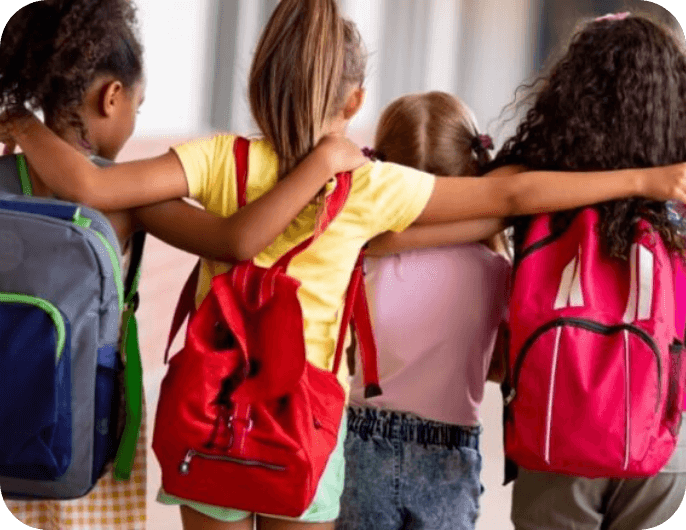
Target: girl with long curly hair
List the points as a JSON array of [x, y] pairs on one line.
[[614, 100]]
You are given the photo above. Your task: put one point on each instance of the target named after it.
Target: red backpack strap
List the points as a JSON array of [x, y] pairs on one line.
[[332, 207], [186, 303], [356, 310], [241, 153]]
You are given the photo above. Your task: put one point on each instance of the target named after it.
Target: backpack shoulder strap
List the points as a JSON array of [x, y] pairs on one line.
[[333, 205], [356, 312], [14, 175], [134, 274], [186, 303]]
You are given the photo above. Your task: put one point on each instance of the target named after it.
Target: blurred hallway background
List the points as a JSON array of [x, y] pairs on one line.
[[198, 55]]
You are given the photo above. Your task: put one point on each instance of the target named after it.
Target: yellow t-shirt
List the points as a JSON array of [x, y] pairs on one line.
[[383, 197]]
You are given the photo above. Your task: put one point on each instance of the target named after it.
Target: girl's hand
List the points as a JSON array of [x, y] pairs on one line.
[[10, 124], [664, 183], [339, 153]]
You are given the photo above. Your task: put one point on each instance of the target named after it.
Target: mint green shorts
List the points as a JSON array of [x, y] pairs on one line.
[[325, 506]]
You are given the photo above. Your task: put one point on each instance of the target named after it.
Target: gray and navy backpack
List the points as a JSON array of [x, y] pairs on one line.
[[62, 299]]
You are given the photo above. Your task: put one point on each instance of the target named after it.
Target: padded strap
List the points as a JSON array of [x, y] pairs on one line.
[[186, 303], [134, 274], [333, 205], [241, 156], [23, 172], [133, 389]]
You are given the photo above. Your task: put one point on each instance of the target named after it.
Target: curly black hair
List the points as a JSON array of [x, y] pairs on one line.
[[616, 99], [52, 50]]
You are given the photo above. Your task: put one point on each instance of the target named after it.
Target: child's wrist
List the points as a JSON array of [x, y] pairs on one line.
[[324, 156], [640, 182]]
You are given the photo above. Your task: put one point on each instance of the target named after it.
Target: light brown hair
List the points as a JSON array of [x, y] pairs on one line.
[[437, 133], [432, 132], [307, 59]]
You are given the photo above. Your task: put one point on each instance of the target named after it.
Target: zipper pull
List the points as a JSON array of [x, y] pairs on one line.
[[184, 467], [508, 399]]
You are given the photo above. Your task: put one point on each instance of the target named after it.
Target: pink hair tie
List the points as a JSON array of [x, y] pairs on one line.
[[482, 141], [373, 154], [613, 17]]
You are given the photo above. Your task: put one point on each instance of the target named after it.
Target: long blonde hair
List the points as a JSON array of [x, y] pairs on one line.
[[437, 133], [305, 62]]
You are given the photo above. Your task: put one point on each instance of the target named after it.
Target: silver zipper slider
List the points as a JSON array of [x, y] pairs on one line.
[[510, 397], [184, 467]]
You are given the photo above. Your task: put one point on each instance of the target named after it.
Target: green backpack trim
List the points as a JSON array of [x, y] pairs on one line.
[[23, 171]]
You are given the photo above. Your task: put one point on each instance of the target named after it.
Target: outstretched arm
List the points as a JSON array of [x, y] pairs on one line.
[[524, 193], [72, 176], [253, 227], [434, 235]]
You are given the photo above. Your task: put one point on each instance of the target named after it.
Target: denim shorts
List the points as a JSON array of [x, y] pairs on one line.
[[404, 472]]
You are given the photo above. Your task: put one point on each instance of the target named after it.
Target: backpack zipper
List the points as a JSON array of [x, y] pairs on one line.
[[184, 467], [590, 326]]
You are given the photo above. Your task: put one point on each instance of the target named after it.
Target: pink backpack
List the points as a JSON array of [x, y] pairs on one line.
[[595, 381]]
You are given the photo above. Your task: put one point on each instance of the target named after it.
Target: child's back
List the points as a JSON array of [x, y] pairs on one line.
[[587, 114], [436, 313]]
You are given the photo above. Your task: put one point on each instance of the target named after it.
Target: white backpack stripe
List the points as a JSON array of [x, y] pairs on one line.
[[569, 293], [640, 303]]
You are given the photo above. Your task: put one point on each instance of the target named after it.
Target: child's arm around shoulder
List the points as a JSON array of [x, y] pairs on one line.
[[434, 235], [72, 176], [253, 227], [530, 192]]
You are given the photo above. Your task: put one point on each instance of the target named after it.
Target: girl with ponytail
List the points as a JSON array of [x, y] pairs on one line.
[[305, 85]]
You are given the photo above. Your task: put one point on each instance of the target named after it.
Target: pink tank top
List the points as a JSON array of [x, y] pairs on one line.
[[436, 314]]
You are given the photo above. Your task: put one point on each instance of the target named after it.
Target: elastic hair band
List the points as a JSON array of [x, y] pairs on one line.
[[483, 142], [373, 154]]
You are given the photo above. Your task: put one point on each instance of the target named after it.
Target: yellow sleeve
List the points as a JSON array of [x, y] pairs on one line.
[[209, 168], [392, 196]]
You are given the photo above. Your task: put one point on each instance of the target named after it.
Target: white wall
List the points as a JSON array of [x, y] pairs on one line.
[[177, 57], [480, 50]]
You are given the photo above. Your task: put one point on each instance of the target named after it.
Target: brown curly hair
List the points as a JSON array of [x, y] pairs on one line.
[[616, 99], [52, 50]]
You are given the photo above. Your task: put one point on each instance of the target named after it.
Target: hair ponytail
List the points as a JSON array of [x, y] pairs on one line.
[[297, 75]]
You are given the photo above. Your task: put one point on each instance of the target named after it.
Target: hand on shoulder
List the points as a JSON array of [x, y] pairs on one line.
[[340, 153]]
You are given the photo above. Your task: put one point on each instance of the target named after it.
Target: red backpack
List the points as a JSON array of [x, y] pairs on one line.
[[595, 379], [244, 420]]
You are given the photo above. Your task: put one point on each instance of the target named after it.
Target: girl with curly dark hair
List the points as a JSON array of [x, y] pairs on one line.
[[615, 100], [306, 84], [81, 64]]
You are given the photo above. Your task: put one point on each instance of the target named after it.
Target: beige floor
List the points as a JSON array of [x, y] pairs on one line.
[[164, 271]]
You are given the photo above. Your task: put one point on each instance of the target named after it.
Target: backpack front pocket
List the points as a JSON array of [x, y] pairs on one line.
[[587, 401], [35, 389]]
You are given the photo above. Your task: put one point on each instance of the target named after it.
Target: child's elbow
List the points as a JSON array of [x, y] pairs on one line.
[[239, 249]]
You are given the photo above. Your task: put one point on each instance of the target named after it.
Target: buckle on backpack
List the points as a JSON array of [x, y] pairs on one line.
[[508, 399]]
